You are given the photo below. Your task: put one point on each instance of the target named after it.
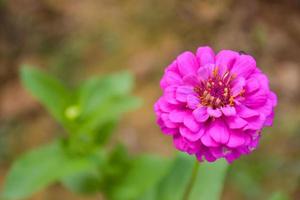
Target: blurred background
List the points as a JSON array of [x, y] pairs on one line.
[[77, 39]]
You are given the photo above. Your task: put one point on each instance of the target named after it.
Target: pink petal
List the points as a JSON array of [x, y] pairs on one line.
[[209, 157], [255, 123], [165, 106], [228, 111], [208, 141], [169, 131], [263, 80], [192, 101], [201, 114], [252, 85], [191, 80], [273, 98], [191, 123], [187, 63], [173, 67], [169, 95], [236, 122], [269, 119], [214, 112], [225, 59], [244, 66], [177, 116], [205, 55], [205, 72], [256, 99], [232, 156], [167, 121], [238, 86], [246, 112], [218, 131], [254, 142], [185, 145], [183, 91], [172, 78], [266, 109], [236, 139], [217, 152], [190, 135]]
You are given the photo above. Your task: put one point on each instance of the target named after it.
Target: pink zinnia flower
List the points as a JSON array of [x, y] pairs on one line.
[[215, 106]]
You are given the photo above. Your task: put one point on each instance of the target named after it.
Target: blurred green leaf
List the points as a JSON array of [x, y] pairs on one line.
[[210, 180], [173, 184], [116, 166], [88, 181], [279, 196], [49, 91], [144, 173], [83, 183], [104, 133], [208, 185], [97, 90], [107, 111], [104, 99], [40, 167]]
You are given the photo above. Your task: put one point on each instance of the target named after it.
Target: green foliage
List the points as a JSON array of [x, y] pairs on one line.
[[173, 185], [144, 172], [208, 185], [89, 113], [86, 182], [82, 162], [48, 90], [210, 180], [41, 167], [104, 99]]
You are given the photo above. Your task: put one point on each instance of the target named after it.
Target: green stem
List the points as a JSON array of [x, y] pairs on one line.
[[191, 182]]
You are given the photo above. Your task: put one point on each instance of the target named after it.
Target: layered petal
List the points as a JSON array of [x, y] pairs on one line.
[[182, 92], [215, 106], [214, 112], [244, 66], [225, 60], [187, 63], [205, 56], [201, 114], [218, 131]]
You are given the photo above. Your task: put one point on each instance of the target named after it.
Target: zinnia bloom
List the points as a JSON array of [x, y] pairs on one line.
[[215, 106]]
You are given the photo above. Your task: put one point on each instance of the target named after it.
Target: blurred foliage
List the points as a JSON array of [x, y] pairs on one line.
[[89, 115], [84, 164], [208, 185], [41, 167]]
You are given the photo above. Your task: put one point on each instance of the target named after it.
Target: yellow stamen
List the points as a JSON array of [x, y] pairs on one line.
[[215, 71]]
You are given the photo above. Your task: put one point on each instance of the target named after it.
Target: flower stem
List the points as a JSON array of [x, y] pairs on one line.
[[191, 182]]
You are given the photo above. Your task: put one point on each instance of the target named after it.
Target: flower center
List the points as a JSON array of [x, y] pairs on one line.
[[215, 91]]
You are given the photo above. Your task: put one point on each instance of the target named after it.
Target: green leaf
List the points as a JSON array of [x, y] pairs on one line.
[[49, 91], [210, 180], [104, 99], [145, 172], [38, 168], [97, 90], [104, 133], [208, 185], [109, 110], [173, 185], [88, 181]]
